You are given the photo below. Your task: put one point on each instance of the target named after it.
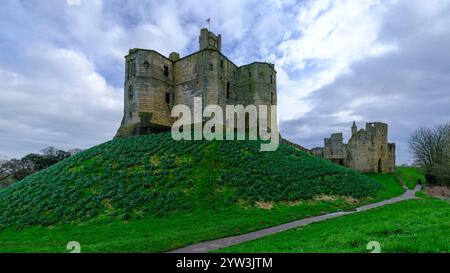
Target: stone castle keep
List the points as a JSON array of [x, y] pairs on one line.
[[367, 150], [155, 83]]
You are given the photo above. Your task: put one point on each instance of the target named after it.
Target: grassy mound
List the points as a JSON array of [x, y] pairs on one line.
[[154, 176]]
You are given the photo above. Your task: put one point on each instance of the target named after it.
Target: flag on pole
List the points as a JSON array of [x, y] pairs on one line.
[[209, 22]]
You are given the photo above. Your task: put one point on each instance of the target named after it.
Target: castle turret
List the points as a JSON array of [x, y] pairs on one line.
[[174, 56], [354, 128], [208, 39]]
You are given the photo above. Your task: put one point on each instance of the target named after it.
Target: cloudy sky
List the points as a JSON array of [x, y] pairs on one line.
[[62, 66]]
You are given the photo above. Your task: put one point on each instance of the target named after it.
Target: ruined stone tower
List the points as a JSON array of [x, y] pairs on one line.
[[367, 150], [155, 83], [354, 128]]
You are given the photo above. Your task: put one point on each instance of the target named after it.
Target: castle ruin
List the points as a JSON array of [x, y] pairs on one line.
[[155, 83], [367, 150]]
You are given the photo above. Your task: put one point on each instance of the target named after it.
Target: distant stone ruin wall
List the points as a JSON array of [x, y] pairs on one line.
[[367, 150]]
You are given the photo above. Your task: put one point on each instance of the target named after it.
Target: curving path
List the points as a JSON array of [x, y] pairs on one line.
[[234, 240]]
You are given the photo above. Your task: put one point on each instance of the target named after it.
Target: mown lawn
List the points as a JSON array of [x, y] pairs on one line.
[[410, 175], [157, 234], [409, 226], [153, 234]]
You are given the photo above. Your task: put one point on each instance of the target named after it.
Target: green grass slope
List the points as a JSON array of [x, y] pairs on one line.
[[390, 184], [408, 226], [154, 175], [410, 176]]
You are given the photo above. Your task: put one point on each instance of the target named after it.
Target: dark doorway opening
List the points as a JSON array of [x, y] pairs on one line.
[[167, 97], [379, 166]]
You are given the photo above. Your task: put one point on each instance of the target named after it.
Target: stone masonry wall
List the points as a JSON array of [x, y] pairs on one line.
[[155, 83], [367, 150]]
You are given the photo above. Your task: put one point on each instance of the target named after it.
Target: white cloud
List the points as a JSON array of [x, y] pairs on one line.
[[332, 35], [405, 86], [52, 90], [58, 101]]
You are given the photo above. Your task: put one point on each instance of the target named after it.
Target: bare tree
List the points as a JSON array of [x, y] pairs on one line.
[[431, 149], [15, 170]]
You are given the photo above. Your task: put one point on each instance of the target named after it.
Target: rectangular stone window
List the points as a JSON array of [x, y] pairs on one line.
[[133, 69], [130, 71], [127, 71], [228, 90], [130, 92], [166, 70]]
